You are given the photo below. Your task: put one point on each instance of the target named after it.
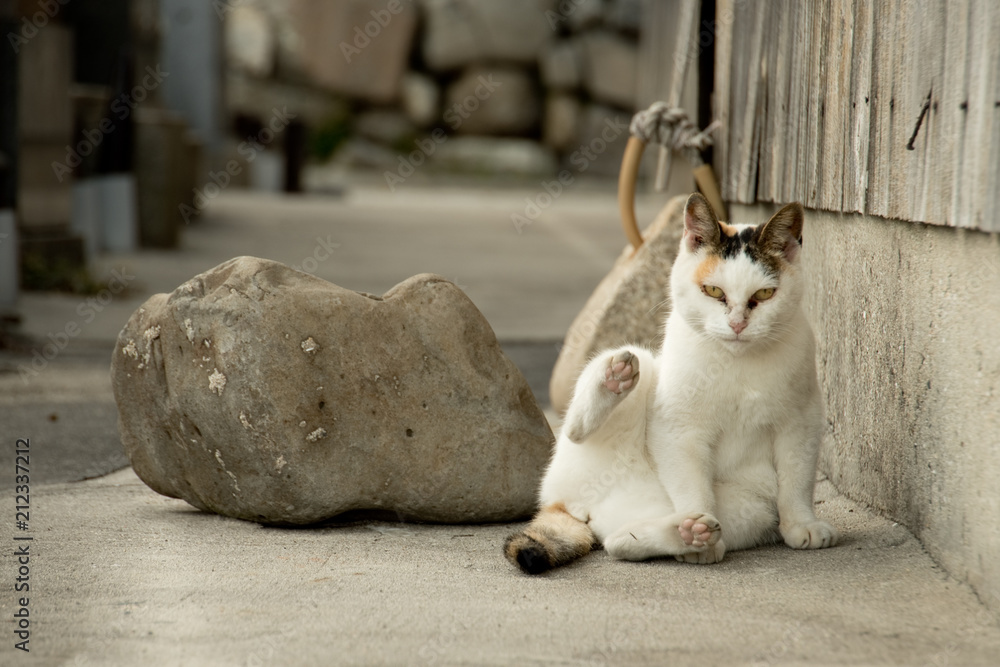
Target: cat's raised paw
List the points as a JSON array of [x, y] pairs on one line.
[[622, 372], [811, 535]]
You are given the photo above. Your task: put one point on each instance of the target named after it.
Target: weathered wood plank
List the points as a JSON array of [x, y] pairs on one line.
[[856, 154], [925, 85], [748, 140], [658, 70], [816, 106], [903, 113], [881, 108], [798, 94], [686, 49], [977, 170], [721, 95], [991, 217], [769, 58], [905, 110], [890, 108], [946, 114], [773, 143], [737, 100], [836, 106], [753, 178], [954, 107]]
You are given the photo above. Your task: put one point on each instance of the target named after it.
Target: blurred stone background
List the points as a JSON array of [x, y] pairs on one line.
[[373, 76], [121, 119]]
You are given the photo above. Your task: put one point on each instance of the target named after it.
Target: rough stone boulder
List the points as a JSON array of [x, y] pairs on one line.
[[495, 100], [461, 32], [358, 48], [259, 392]]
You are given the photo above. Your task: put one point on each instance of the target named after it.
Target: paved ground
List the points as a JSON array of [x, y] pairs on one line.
[[127, 577], [122, 576]]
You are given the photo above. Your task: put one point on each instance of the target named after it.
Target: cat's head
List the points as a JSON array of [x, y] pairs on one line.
[[738, 284]]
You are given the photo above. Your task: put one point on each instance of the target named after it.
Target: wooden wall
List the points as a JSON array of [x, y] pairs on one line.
[[884, 107]]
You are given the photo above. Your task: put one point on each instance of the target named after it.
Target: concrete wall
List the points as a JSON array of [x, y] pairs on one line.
[[907, 318]]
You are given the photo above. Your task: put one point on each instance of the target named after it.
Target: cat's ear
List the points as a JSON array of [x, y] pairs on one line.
[[782, 234], [701, 227]]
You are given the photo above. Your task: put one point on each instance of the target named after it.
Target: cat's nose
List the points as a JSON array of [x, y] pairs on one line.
[[738, 327]]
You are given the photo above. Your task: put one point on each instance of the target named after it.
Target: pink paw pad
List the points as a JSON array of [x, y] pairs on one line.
[[622, 373], [697, 533]]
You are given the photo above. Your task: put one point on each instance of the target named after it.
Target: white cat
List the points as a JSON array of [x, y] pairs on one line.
[[709, 445]]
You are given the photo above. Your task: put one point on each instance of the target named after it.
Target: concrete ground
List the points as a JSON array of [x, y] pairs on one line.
[[122, 576]]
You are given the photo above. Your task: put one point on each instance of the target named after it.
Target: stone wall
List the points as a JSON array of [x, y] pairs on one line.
[[905, 317], [533, 80]]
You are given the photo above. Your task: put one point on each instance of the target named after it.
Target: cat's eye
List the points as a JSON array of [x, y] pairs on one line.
[[714, 292], [763, 294]]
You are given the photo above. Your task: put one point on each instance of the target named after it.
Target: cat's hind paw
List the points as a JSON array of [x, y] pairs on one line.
[[700, 530], [703, 534], [707, 556], [810, 535], [673, 535], [604, 384], [622, 372]]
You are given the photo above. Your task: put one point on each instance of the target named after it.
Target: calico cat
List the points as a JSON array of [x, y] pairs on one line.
[[709, 445]]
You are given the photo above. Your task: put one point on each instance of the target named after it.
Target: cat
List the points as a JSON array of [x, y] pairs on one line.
[[711, 444]]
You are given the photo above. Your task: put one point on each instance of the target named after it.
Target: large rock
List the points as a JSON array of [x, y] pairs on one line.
[[267, 394], [630, 304], [462, 32], [358, 48], [561, 65], [495, 100]]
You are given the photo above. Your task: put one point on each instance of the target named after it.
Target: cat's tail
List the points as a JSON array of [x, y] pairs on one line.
[[553, 538]]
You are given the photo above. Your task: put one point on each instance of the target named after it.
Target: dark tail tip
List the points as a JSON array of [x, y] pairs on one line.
[[533, 559], [527, 553]]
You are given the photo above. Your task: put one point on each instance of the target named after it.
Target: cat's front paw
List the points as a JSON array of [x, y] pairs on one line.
[[622, 372], [810, 535]]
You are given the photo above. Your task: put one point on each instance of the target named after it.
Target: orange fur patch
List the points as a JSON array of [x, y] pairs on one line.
[[728, 230], [556, 507], [705, 269]]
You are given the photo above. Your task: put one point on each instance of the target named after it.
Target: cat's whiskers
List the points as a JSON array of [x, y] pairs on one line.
[[656, 307]]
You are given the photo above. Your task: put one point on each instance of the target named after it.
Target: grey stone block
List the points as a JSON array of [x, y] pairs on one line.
[[561, 65], [492, 101], [462, 32], [359, 48], [611, 66], [262, 393]]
